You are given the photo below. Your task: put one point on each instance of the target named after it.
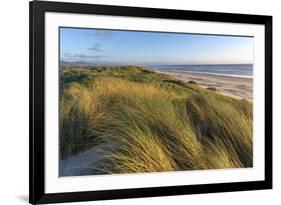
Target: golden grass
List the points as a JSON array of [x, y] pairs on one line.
[[151, 128]]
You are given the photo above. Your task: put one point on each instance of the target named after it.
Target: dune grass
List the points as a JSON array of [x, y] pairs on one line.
[[151, 122]]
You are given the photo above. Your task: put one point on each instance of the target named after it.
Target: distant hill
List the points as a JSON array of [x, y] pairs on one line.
[[77, 64], [87, 64]]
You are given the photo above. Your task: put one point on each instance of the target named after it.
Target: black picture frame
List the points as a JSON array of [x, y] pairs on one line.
[[37, 194]]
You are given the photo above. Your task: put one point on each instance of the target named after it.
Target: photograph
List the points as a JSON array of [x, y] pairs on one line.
[[133, 102]]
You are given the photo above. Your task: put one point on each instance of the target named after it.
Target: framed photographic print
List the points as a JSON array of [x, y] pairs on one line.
[[140, 102]]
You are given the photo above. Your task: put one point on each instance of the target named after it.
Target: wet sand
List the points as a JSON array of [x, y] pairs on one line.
[[238, 87]]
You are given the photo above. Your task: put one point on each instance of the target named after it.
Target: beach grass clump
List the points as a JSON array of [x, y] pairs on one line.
[[192, 82], [150, 122], [80, 111], [212, 88]]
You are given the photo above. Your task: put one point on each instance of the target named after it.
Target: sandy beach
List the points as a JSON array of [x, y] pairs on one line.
[[238, 87]]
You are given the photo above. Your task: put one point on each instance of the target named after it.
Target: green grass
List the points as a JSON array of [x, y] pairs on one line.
[[151, 122]]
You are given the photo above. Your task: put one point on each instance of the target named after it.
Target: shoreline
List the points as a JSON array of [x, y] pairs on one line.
[[232, 86], [205, 73]]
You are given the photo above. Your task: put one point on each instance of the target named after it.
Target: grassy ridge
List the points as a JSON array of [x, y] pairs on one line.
[[151, 122]]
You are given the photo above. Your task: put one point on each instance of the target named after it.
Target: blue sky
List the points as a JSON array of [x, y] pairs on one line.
[[131, 47]]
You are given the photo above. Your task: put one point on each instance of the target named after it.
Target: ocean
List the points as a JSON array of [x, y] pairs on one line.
[[235, 70]]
